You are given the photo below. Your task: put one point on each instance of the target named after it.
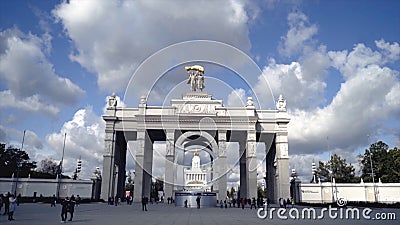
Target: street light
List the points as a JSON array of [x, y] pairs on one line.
[[372, 168], [60, 168], [19, 165], [314, 171]]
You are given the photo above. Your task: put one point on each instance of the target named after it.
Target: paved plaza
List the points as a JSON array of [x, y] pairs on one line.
[[101, 213]]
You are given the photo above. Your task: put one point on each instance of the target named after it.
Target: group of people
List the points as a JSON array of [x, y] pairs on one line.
[[10, 202], [286, 203], [68, 206], [242, 202]]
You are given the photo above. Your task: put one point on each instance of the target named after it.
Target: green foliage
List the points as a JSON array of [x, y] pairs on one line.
[[260, 192], [48, 169], [336, 166], [129, 185], [14, 161], [230, 194], [156, 186], [385, 163]]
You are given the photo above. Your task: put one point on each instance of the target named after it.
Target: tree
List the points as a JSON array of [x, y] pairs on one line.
[[48, 166], [385, 163], [260, 192], [231, 193], [14, 161], [338, 168], [157, 186], [129, 184]]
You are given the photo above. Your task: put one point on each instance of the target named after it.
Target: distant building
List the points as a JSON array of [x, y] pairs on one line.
[[195, 177]]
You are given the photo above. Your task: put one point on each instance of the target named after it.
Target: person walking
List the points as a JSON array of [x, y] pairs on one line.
[[145, 200], [186, 201], [64, 209], [78, 200], [243, 202], [71, 207], [53, 201], [6, 203], [1, 201], [116, 200], [12, 206], [288, 202], [198, 202], [253, 203]]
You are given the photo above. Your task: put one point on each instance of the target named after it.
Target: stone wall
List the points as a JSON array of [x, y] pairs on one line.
[[46, 187], [355, 192]]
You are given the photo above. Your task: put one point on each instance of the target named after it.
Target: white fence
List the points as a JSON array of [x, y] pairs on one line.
[[29, 187], [328, 192]]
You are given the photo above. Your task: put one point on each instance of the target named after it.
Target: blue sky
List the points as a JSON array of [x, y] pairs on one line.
[[336, 63]]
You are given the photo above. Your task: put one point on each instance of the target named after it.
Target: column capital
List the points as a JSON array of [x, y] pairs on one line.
[[251, 135], [170, 134], [251, 144], [221, 135]]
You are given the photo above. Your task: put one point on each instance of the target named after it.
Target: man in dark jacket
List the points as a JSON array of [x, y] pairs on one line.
[[71, 207], [64, 209], [145, 200]]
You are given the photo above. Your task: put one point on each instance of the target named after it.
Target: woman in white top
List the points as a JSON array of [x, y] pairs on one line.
[[13, 204]]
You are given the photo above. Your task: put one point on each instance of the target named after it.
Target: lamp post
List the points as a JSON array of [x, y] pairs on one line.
[[331, 168], [19, 166], [60, 168], [372, 168], [314, 171]]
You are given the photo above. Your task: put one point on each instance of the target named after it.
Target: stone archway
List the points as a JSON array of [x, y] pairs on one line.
[[178, 124], [184, 144]]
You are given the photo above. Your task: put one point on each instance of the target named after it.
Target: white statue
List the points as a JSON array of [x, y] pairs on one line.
[[281, 104], [196, 78], [200, 81], [143, 100], [192, 81], [250, 101], [112, 100]]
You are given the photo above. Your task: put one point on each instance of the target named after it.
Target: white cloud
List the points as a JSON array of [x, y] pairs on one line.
[[32, 139], [299, 35], [31, 103], [85, 139], [112, 38], [290, 80], [302, 164], [365, 100], [391, 51], [3, 134], [29, 76], [237, 98], [13, 137]]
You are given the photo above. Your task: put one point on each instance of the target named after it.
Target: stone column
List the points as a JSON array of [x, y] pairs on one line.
[[120, 164], [148, 166], [271, 168], [243, 173], [143, 166], [108, 161], [169, 164], [222, 168], [282, 165], [251, 164]]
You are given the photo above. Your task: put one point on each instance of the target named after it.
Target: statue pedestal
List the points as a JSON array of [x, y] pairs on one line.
[[196, 96], [207, 199]]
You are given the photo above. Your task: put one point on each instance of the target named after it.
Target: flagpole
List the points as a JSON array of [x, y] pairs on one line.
[[59, 174]]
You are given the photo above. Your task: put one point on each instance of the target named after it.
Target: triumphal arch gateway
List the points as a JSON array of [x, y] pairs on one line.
[[196, 119]]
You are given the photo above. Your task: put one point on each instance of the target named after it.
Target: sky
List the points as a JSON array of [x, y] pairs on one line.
[[336, 63]]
